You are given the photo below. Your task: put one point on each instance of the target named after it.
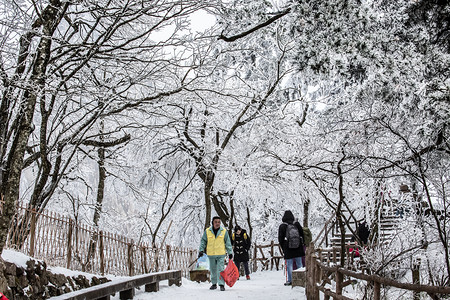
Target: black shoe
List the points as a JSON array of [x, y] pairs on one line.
[[213, 287], [222, 288], [287, 283]]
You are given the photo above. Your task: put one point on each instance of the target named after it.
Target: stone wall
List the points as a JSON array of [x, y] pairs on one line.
[[36, 282]]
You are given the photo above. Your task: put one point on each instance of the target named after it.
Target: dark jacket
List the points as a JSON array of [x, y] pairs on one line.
[[241, 244], [288, 218]]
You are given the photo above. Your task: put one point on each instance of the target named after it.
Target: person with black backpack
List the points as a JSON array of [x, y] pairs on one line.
[[241, 244], [291, 239]]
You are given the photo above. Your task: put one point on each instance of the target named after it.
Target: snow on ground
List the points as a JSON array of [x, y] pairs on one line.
[[263, 285]]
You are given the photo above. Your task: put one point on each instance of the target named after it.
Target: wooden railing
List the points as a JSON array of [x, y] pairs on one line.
[[125, 287], [324, 266], [270, 254], [61, 241]]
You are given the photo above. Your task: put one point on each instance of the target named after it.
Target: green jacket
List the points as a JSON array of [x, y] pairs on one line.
[[308, 236], [204, 241]]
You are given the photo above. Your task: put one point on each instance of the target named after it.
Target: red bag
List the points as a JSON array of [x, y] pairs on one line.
[[231, 274], [3, 297]]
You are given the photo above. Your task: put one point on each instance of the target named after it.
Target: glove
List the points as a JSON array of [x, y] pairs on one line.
[[200, 254], [230, 256]]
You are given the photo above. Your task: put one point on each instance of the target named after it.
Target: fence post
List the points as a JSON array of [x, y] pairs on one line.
[[144, 258], [271, 255], [314, 274], [69, 244], [130, 258], [255, 262], [339, 280], [308, 270], [32, 232], [102, 253], [168, 256], [376, 290]]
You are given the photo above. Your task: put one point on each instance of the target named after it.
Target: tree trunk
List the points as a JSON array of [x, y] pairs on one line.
[[306, 213], [27, 108], [339, 210], [208, 187]]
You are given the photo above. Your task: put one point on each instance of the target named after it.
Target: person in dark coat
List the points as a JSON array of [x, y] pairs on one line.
[[363, 232], [241, 244], [290, 254]]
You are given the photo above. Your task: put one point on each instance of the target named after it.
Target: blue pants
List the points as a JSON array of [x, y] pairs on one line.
[[290, 265], [216, 265]]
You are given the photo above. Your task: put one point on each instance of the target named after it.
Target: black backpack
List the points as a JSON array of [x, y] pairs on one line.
[[293, 236]]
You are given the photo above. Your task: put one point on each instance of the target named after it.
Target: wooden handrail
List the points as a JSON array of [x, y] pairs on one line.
[[124, 286], [323, 229], [315, 266]]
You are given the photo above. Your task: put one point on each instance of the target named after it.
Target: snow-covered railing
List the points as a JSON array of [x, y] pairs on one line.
[[125, 287], [319, 276], [61, 241]]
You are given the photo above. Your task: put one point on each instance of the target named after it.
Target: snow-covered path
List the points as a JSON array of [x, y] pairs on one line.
[[263, 285]]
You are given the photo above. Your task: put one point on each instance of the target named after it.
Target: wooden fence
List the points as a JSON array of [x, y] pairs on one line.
[[61, 241], [270, 254], [323, 267]]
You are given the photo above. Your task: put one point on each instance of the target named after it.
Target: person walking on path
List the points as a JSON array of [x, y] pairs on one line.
[[217, 243], [291, 239], [241, 244]]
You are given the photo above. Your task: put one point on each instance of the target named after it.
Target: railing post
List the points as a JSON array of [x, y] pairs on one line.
[[339, 280], [32, 232], [168, 256], [376, 290], [334, 256], [130, 259], [255, 262], [144, 259], [69, 244], [101, 253], [271, 255], [314, 274]]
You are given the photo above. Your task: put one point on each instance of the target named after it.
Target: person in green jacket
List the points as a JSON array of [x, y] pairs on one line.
[[217, 243]]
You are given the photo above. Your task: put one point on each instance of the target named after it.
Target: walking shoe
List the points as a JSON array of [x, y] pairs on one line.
[[248, 277], [213, 287], [222, 288], [287, 283]]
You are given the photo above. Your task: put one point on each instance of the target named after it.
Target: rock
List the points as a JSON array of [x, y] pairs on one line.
[[95, 281], [3, 284], [57, 280], [82, 281], [52, 290], [31, 266], [103, 280], [40, 268], [71, 283], [44, 278], [11, 279], [22, 281], [10, 269], [19, 271]]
